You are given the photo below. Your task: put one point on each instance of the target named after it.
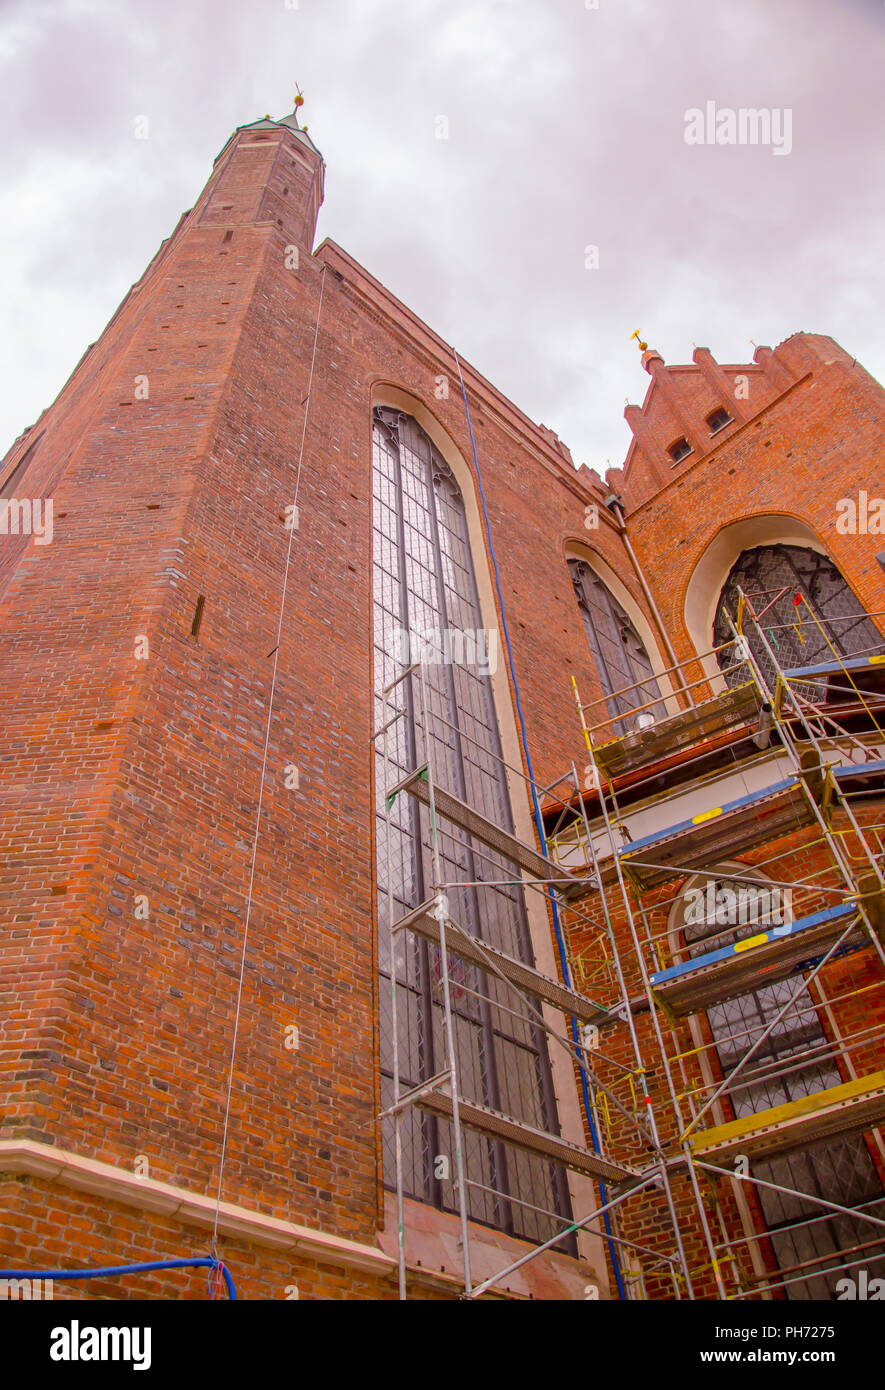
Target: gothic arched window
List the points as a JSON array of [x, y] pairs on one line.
[[619, 653], [424, 588], [772, 576], [794, 1061]]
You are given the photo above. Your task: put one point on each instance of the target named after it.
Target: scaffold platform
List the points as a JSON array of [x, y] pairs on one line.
[[855, 1105], [536, 1141], [741, 966], [829, 668], [862, 777], [450, 808], [703, 722], [423, 922], [865, 673], [722, 832]]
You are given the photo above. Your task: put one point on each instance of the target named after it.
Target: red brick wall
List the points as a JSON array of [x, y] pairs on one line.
[[51, 1228]]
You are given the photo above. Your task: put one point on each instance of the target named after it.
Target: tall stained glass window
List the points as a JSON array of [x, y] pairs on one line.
[[619, 653], [424, 585]]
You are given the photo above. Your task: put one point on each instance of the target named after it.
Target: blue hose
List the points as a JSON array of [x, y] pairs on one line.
[[563, 959], [114, 1270]]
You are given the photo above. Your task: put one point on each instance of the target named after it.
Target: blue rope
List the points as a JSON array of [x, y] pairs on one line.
[[563, 959], [114, 1270]]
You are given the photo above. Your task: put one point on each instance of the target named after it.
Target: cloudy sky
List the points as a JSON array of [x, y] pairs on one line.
[[566, 130]]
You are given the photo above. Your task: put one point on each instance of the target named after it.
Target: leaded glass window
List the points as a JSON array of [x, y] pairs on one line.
[[424, 584], [618, 651], [772, 576]]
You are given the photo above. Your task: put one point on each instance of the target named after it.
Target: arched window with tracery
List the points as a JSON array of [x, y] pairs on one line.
[[772, 576], [619, 653], [795, 1060], [424, 583]]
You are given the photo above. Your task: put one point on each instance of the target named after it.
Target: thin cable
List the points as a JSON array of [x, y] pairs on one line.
[[273, 686], [563, 958]]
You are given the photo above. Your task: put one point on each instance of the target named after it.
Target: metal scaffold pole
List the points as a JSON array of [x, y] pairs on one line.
[[641, 1070], [386, 725]]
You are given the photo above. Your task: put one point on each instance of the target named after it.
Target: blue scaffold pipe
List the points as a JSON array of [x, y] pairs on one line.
[[557, 926], [113, 1271]]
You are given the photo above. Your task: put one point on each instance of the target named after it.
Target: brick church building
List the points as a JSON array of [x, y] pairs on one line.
[[326, 671]]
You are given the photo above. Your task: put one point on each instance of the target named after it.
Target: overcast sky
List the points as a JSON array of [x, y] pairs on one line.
[[566, 130]]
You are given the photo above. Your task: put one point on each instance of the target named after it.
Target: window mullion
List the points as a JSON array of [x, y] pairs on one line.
[[428, 1124]]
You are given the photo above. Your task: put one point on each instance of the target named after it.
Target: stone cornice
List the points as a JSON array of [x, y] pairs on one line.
[[116, 1184]]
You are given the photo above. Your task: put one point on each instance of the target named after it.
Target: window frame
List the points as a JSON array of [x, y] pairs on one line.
[[683, 454], [819, 571], [720, 410]]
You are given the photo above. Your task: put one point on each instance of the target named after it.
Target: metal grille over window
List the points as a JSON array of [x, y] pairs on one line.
[[788, 1066], [772, 576], [619, 655], [426, 609]]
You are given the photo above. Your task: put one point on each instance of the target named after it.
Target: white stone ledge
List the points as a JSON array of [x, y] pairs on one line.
[[117, 1185]]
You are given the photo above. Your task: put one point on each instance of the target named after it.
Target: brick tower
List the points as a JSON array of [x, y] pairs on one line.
[[183, 594]]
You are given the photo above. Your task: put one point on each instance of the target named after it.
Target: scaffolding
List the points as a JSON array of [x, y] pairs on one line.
[[666, 1112], [529, 990], [807, 751]]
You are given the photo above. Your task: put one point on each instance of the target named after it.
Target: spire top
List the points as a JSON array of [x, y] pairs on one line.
[[651, 358], [293, 122], [299, 101]]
